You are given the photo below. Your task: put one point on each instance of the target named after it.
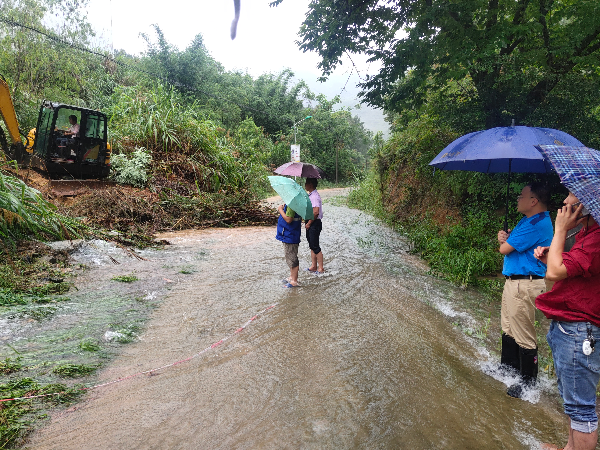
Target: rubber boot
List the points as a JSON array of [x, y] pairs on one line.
[[529, 371], [510, 353]]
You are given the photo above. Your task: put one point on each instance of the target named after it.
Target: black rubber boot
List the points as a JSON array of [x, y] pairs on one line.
[[529, 371], [510, 353]]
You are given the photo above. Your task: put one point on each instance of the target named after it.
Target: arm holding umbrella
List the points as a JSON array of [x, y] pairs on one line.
[[505, 247], [284, 214]]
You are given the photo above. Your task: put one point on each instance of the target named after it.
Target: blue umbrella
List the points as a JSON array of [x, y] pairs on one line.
[[579, 170], [502, 150]]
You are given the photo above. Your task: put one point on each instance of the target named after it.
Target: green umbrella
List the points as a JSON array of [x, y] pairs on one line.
[[293, 195]]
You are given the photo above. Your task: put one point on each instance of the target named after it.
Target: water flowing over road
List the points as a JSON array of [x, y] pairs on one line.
[[371, 355]]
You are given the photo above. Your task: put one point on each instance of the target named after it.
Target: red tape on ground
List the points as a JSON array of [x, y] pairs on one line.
[[118, 380]]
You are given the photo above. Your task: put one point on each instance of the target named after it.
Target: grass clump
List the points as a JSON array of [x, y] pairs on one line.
[[10, 298], [125, 278], [187, 270], [17, 416], [10, 365], [125, 333], [89, 345], [73, 370]]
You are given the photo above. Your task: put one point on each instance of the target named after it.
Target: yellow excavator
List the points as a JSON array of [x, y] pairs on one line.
[[69, 142]]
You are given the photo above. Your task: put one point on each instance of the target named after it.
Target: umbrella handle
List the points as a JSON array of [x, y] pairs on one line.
[[507, 192]]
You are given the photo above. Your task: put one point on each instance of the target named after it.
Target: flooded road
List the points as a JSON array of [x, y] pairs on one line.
[[371, 355]]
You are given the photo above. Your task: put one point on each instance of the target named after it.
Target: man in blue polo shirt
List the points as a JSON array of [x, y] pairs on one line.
[[524, 282]]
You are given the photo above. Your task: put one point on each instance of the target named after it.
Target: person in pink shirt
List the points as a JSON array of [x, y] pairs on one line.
[[314, 227]]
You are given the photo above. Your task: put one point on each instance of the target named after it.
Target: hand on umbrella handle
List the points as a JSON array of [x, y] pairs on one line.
[[503, 236]]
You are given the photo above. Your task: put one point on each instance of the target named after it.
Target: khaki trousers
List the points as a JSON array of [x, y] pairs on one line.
[[518, 310]]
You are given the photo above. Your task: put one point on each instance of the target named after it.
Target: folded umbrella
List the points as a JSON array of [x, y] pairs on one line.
[[299, 169], [579, 171], [294, 196]]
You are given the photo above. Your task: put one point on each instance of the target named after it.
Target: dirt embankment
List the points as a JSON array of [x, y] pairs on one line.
[[168, 205]]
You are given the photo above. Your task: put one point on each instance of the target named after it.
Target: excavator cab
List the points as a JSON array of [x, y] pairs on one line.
[[71, 142]]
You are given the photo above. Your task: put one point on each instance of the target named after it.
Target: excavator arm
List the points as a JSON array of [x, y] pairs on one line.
[[14, 150], [7, 110]]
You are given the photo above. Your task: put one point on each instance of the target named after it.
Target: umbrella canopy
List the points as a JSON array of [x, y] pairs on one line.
[[293, 195], [299, 169], [579, 170], [502, 150]]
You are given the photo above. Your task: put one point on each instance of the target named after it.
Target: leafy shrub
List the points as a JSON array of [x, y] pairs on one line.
[[133, 169], [25, 213]]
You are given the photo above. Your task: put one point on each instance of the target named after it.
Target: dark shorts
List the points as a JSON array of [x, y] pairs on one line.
[[312, 236]]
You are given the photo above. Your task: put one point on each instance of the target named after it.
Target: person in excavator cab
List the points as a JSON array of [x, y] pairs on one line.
[[73, 130]]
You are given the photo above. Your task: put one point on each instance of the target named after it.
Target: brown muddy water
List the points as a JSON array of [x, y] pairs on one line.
[[375, 354]]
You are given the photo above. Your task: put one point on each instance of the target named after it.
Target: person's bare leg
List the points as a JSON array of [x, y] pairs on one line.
[[313, 261], [294, 276], [581, 441], [570, 441], [550, 447], [319, 259]]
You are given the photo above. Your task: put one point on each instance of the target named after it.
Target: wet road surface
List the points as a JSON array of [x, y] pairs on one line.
[[367, 356]]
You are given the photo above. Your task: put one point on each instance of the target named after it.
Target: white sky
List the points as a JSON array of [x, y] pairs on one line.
[[265, 39]]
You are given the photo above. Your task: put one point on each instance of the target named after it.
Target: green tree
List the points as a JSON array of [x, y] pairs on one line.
[[334, 140], [512, 53], [42, 65]]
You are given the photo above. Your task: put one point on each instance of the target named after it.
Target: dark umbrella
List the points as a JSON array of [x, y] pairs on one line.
[[579, 170], [502, 149], [299, 169]]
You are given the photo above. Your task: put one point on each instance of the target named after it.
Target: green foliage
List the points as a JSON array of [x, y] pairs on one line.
[[149, 117], [133, 169], [367, 197], [461, 254], [73, 370], [25, 213], [10, 365], [334, 140], [126, 333], [9, 298], [507, 56], [27, 278], [125, 278], [17, 417], [89, 345]]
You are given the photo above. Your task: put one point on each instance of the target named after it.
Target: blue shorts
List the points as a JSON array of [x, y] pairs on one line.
[[577, 374]]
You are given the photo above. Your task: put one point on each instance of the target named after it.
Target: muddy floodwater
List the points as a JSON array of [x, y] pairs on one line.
[[374, 354]]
